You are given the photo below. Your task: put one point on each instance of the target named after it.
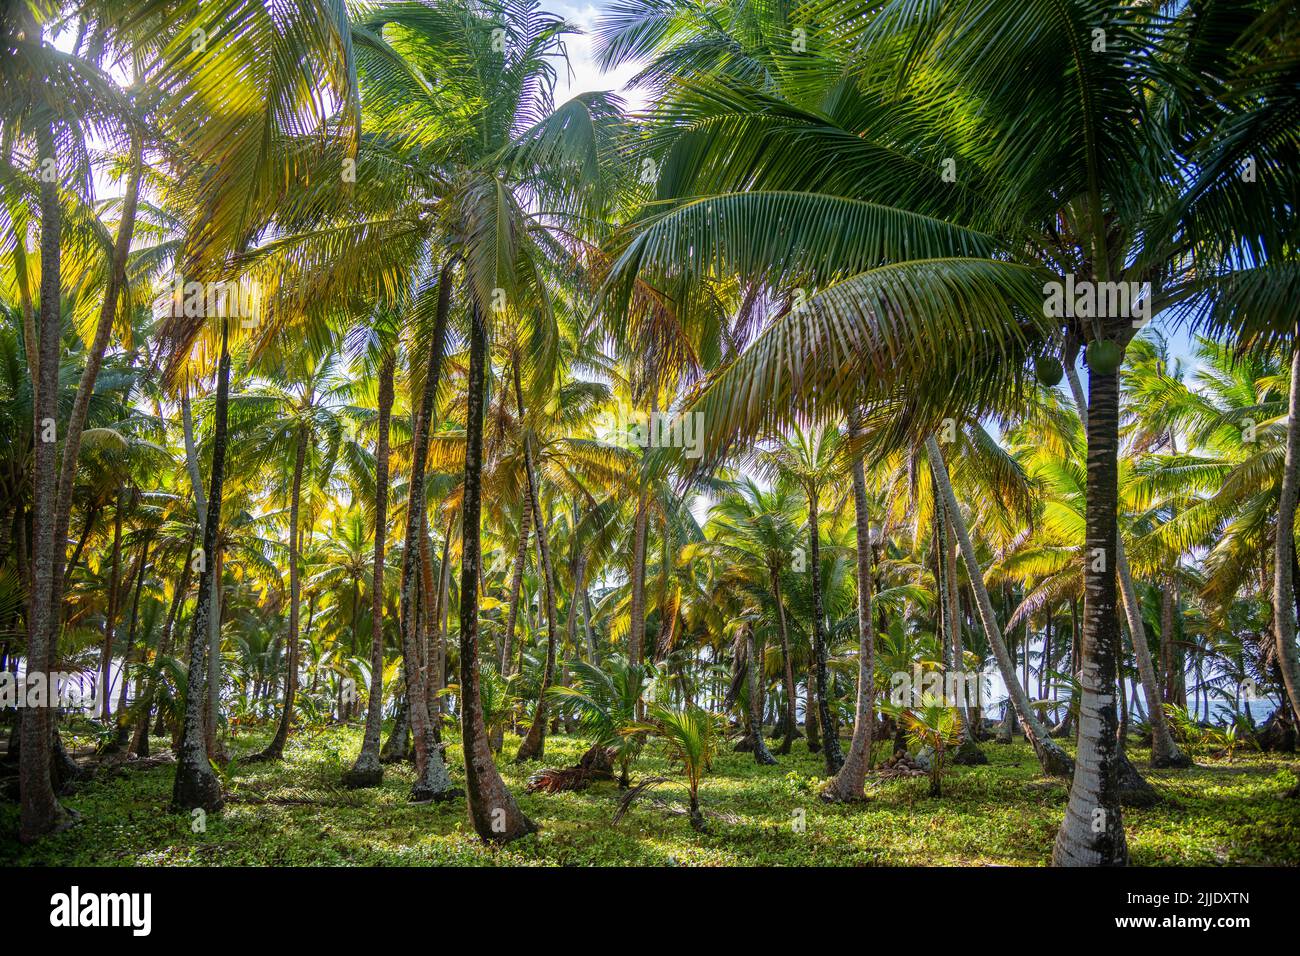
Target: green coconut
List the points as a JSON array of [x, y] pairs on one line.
[[1104, 357], [1048, 369]]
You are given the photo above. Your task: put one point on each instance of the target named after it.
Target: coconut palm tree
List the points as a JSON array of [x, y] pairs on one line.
[[911, 282]]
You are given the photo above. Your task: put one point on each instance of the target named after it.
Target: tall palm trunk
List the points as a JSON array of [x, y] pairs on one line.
[[1164, 752], [848, 784], [534, 743], [752, 666], [516, 586], [110, 618], [432, 782], [140, 741], [1093, 831], [492, 808], [787, 665], [94, 362], [831, 738], [1284, 620], [275, 751], [1052, 758], [40, 811], [121, 738], [636, 603], [196, 785]]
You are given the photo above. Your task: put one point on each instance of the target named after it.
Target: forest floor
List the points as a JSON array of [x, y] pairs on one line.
[[1005, 813]]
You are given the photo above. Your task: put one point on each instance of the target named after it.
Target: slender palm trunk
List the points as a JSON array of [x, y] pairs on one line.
[[831, 739], [534, 743], [516, 586], [110, 618], [636, 609], [432, 782], [787, 666], [94, 362], [1052, 758], [40, 812], [848, 784], [761, 754], [121, 738], [1284, 619], [140, 741], [275, 751], [196, 785], [492, 808], [1164, 752], [1093, 831]]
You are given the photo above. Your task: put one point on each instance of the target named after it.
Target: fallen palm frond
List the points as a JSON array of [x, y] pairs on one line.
[[630, 797]]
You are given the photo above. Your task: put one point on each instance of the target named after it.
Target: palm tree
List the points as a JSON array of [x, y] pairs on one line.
[[753, 525], [690, 736], [849, 782], [809, 459], [1003, 204]]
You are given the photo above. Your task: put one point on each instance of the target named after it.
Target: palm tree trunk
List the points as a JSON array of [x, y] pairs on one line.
[[831, 739], [432, 781], [516, 585], [276, 749], [636, 609], [534, 743], [761, 754], [1284, 620], [1052, 758], [196, 785], [40, 812], [1164, 752], [94, 357], [140, 742], [787, 666], [110, 618], [848, 784], [1093, 831], [492, 809], [123, 718]]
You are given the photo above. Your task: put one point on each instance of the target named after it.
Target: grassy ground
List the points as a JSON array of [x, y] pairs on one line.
[[1002, 814]]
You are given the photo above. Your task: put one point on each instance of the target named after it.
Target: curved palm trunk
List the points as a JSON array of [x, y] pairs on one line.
[[516, 585], [367, 771], [849, 783], [492, 809], [432, 782], [1052, 758], [140, 741], [1284, 621], [1093, 831], [94, 356], [196, 785], [275, 750], [122, 737], [787, 666], [831, 741], [761, 754], [534, 743]]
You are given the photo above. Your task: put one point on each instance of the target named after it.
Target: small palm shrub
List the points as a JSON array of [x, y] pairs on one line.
[[606, 700], [937, 727], [691, 737]]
